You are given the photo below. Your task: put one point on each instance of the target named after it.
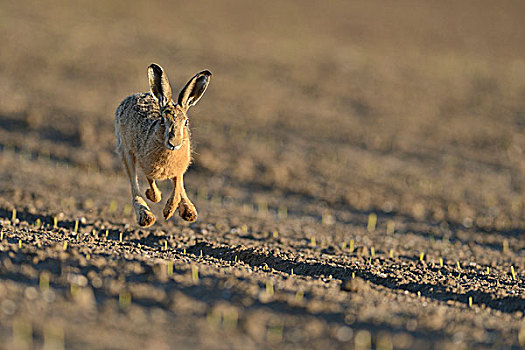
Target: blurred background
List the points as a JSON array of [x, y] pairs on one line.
[[411, 106]]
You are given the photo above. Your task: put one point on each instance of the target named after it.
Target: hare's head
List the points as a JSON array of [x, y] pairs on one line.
[[174, 117]]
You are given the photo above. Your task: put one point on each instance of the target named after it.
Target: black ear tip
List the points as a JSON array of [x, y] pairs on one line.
[[155, 67], [206, 73]]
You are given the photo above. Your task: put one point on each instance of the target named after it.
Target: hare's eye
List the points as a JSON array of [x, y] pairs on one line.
[[186, 122]]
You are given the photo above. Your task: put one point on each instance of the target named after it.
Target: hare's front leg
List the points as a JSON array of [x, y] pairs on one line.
[[153, 193], [173, 201], [144, 215], [187, 210]]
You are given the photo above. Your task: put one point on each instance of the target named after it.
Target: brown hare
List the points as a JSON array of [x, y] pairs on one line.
[[152, 132]]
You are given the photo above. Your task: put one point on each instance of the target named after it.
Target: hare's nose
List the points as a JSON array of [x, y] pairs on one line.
[[174, 148]]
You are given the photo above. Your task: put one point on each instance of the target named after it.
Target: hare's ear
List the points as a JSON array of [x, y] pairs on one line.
[[194, 89], [159, 84]]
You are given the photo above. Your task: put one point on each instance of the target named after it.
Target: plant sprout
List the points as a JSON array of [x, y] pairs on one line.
[[372, 221], [170, 268], [194, 273], [269, 288]]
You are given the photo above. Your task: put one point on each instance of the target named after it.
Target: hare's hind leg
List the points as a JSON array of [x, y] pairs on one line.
[[144, 215], [187, 210], [153, 193], [173, 201]]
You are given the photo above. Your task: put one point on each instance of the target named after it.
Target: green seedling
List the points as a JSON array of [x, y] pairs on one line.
[[120, 236], [244, 229], [43, 281], [127, 210], [65, 245], [235, 259], [230, 319], [107, 233], [75, 230], [351, 246], [372, 221], [124, 299], [22, 334], [313, 244], [505, 246], [418, 294], [184, 251], [274, 334], [113, 206], [513, 273], [2, 236], [165, 245], [262, 207], [299, 295], [38, 223], [200, 256], [291, 272], [441, 262], [170, 268], [422, 257], [353, 275], [391, 253], [343, 245], [372, 251], [13, 216], [19, 243], [73, 290], [488, 270], [275, 234], [469, 301], [269, 289], [458, 265], [195, 274], [88, 256]]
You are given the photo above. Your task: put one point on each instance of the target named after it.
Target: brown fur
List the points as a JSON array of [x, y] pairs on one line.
[[152, 132]]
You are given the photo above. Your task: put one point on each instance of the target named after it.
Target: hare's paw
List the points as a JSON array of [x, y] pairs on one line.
[[187, 211], [153, 196], [170, 207], [145, 218]]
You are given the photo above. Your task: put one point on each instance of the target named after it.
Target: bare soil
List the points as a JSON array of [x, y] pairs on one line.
[[358, 171]]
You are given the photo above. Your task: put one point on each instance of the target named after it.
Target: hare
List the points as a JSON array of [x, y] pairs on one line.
[[152, 132]]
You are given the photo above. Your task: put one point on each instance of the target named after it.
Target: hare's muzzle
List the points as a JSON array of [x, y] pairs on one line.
[[173, 148]]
